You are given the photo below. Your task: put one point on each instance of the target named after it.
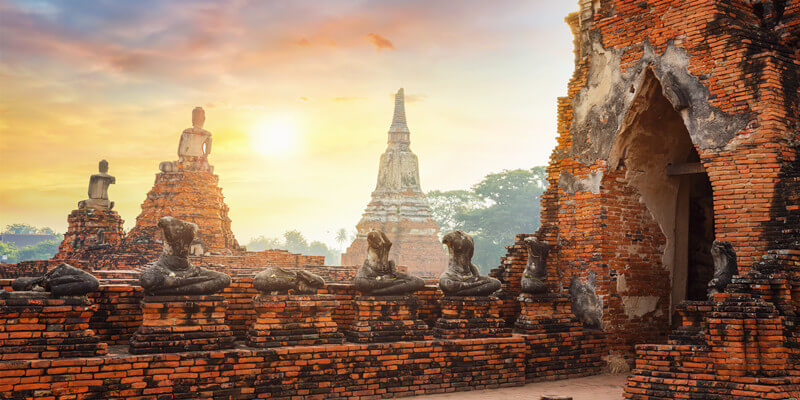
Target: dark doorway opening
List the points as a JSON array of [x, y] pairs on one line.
[[700, 265]]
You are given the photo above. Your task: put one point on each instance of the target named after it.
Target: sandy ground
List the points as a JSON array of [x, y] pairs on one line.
[[600, 387]]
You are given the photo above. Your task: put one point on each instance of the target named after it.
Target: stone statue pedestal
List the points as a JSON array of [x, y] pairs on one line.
[[172, 324], [294, 320], [692, 317], [90, 230], [387, 319], [36, 328], [465, 317], [545, 313]]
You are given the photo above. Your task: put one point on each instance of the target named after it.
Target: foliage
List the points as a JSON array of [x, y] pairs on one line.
[[295, 242], [10, 251], [493, 211], [342, 238], [25, 229], [40, 251]]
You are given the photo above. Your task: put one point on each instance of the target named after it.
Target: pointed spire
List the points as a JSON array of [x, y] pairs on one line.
[[399, 118]]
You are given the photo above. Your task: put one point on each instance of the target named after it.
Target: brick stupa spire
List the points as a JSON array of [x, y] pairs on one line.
[[189, 190], [399, 208]]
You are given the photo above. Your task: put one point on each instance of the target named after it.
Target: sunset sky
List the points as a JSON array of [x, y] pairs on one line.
[[298, 96]]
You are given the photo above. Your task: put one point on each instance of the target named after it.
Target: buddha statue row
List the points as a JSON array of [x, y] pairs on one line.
[[378, 276]]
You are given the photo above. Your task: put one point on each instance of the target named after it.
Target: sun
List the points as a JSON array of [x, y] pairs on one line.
[[274, 136]]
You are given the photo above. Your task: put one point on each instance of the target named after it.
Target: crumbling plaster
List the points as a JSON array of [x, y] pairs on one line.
[[601, 107]]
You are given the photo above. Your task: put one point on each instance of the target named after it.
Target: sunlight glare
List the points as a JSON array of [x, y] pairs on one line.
[[271, 137]]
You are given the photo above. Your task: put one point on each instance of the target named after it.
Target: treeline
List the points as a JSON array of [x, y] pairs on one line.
[[493, 211], [295, 242], [9, 253]]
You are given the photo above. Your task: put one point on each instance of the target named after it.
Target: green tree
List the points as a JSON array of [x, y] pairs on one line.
[[21, 229], [40, 251], [342, 238], [447, 206], [262, 243], [295, 242], [493, 211], [10, 252]]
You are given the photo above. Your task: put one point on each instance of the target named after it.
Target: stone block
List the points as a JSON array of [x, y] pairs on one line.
[[465, 317], [40, 328], [294, 320], [172, 324], [545, 313], [386, 319]]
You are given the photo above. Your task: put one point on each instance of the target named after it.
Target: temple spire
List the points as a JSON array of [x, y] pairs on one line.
[[398, 132]]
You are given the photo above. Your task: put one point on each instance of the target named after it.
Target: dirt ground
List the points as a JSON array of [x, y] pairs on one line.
[[600, 387]]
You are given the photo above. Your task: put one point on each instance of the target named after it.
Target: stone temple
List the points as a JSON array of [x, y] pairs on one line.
[[186, 189], [398, 207], [669, 250]]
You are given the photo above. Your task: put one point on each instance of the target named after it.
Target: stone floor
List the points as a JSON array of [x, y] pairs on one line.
[[599, 387]]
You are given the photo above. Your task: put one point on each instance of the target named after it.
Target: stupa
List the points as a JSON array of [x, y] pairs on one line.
[[399, 208], [188, 189]]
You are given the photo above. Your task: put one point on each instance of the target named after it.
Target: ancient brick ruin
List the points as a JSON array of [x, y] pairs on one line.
[[680, 127], [677, 158], [186, 189], [398, 207]]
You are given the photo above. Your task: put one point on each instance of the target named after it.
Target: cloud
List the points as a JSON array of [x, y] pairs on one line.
[[380, 42], [411, 97], [415, 98]]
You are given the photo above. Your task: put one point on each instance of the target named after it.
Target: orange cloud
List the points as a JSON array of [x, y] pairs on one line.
[[380, 42]]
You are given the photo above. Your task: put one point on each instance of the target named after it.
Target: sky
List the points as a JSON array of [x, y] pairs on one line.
[[298, 96]]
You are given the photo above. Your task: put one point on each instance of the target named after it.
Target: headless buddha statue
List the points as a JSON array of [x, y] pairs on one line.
[[535, 274], [283, 280], [172, 274], [378, 275], [63, 280], [461, 278]]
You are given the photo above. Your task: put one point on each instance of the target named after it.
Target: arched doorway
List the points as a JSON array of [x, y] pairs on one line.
[[656, 153]]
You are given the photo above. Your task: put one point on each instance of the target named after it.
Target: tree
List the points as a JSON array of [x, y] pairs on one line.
[[342, 238], [40, 251], [262, 243], [9, 251], [446, 206], [295, 242], [21, 229], [493, 211]]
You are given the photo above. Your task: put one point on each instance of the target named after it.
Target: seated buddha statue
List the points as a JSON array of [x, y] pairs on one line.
[[172, 274], [284, 280], [461, 278], [378, 276]]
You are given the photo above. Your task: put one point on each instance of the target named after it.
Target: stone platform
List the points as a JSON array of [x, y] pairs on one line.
[[291, 320], [386, 319], [470, 317], [346, 371], [182, 323], [545, 313], [39, 328]]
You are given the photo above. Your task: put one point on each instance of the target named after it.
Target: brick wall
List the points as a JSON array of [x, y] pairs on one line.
[[33, 268], [342, 371], [736, 88]]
